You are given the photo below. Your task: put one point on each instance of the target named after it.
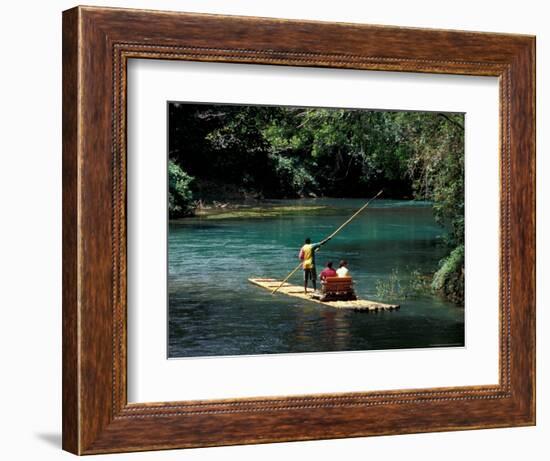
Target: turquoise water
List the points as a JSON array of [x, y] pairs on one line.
[[214, 310]]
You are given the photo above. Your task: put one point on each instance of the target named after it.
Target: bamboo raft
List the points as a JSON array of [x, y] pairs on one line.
[[298, 292]]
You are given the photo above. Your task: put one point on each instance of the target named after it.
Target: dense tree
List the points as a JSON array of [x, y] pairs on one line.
[[180, 197]]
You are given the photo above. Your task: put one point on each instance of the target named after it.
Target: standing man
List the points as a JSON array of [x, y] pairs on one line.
[[307, 255]]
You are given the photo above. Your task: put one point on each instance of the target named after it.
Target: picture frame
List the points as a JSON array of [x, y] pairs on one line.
[[97, 44]]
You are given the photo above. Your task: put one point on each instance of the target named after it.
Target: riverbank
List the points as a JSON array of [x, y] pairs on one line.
[[262, 208], [243, 211]]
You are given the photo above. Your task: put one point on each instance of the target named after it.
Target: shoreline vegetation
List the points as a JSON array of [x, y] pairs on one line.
[[226, 210], [249, 208], [227, 161]]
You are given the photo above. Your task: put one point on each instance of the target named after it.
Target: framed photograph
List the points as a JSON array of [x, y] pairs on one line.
[[281, 230]]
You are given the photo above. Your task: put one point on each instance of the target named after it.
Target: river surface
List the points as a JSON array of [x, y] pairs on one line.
[[214, 310]]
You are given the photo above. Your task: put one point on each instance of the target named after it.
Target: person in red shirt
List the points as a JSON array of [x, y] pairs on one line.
[[328, 271]]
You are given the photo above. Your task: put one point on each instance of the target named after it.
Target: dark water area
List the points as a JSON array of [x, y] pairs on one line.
[[214, 310]]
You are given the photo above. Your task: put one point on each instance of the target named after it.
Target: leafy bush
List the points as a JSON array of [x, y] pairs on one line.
[[449, 279], [180, 197]]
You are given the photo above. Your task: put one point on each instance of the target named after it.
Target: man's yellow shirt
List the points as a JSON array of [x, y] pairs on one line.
[[308, 251]]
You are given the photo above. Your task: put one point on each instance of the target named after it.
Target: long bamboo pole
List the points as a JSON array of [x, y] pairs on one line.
[[328, 238]]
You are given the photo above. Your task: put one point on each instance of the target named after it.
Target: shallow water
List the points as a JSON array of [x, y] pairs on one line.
[[214, 310]]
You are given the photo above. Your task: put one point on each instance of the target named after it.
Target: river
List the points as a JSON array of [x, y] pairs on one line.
[[214, 310]]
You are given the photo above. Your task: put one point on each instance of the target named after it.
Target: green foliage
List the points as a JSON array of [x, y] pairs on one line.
[[180, 197], [449, 279], [293, 177], [419, 284], [390, 288], [347, 151], [401, 287], [436, 167]]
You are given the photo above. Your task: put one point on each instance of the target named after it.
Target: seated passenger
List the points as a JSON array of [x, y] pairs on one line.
[[343, 270], [328, 271]]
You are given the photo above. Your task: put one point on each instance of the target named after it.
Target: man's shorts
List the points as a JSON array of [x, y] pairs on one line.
[[310, 274]]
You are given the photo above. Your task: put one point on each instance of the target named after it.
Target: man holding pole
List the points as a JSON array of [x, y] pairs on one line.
[[309, 250], [307, 255]]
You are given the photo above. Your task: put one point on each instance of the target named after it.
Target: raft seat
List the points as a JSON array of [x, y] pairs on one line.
[[338, 289]]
